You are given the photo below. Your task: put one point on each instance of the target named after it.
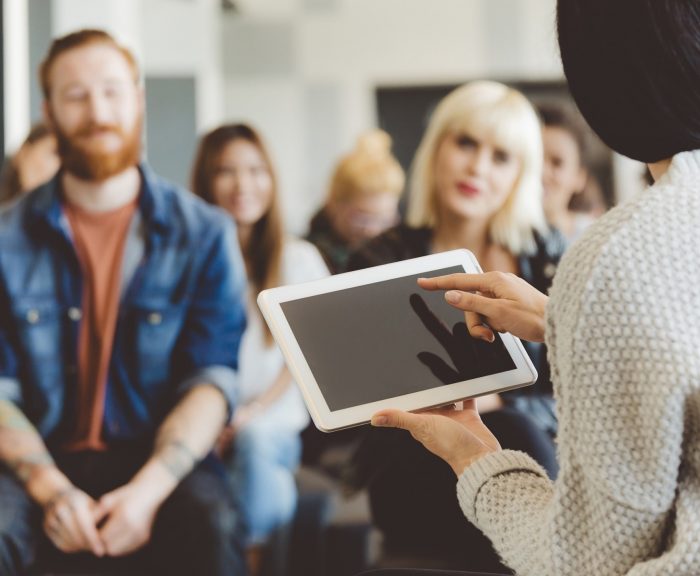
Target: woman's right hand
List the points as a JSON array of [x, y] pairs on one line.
[[502, 301]]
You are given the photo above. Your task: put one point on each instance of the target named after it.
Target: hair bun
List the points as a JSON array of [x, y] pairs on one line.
[[374, 143]]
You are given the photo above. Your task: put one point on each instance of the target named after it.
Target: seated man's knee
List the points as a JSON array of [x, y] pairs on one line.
[[207, 509]]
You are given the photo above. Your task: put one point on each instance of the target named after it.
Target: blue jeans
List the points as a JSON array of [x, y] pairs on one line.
[[262, 467]]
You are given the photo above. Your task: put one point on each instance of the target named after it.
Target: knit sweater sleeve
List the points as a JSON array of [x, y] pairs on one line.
[[621, 405]]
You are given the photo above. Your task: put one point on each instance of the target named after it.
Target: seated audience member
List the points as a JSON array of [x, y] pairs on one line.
[[362, 200], [121, 313], [621, 323], [34, 163], [233, 170], [475, 184], [565, 174]]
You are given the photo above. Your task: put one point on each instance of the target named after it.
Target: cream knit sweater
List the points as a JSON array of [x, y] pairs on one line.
[[623, 332]]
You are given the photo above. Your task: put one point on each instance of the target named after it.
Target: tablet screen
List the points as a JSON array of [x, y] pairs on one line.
[[387, 339]]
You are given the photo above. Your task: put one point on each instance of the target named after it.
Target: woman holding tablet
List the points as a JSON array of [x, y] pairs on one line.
[[475, 184], [621, 323], [233, 170]]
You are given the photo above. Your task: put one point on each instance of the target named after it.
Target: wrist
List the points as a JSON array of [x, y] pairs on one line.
[[46, 483], [459, 465], [254, 407], [155, 481], [541, 317]]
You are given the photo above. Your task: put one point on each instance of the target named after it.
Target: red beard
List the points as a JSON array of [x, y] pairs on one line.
[[93, 163]]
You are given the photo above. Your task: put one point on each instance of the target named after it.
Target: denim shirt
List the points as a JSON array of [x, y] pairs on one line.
[[180, 320]]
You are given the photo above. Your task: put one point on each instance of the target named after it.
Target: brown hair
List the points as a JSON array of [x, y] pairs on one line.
[[77, 40], [567, 119], [10, 185], [263, 255]]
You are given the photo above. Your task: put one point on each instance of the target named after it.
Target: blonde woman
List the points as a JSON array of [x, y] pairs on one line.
[[475, 184], [362, 200], [233, 170]]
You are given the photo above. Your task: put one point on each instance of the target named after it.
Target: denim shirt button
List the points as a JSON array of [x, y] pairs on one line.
[[33, 316], [154, 318], [74, 313]]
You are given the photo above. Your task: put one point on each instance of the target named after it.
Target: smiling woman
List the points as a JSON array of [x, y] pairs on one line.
[[261, 445]]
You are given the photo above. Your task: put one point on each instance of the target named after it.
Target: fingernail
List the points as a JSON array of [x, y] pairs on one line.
[[452, 296], [379, 421]]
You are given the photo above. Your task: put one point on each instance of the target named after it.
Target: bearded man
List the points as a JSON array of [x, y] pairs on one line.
[[121, 312]]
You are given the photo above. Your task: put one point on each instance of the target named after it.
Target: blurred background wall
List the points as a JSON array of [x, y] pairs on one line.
[[306, 72]]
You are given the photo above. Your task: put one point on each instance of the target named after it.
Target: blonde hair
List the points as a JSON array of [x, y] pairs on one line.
[[370, 169], [506, 117]]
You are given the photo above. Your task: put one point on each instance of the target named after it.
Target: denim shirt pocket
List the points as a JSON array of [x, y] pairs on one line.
[[40, 324], [40, 327], [153, 328]]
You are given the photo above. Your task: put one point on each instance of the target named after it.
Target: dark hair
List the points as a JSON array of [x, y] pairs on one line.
[[263, 254], [10, 185], [78, 40], [634, 71], [564, 117]]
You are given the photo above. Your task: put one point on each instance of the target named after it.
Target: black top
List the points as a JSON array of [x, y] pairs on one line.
[[333, 248]]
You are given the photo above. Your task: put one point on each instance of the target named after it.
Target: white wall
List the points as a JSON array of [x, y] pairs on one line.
[[183, 38], [348, 48], [15, 38]]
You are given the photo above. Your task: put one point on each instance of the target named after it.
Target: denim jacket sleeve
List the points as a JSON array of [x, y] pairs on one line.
[[10, 389], [215, 322]]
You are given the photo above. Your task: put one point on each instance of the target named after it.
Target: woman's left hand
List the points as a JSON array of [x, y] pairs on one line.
[[457, 436]]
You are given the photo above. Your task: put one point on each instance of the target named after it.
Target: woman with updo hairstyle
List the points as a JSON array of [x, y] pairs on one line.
[[621, 322], [476, 183], [362, 200], [261, 445]]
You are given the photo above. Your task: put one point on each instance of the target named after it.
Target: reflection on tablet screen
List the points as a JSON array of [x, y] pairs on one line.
[[388, 339]]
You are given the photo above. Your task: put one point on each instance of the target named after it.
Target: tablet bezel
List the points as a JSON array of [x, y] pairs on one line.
[[270, 300]]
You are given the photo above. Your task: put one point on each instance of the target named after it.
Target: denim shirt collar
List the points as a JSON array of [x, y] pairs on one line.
[[46, 212]]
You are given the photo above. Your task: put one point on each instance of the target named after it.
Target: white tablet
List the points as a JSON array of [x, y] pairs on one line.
[[362, 341]]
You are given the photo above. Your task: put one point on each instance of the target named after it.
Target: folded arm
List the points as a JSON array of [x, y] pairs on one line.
[[23, 451]]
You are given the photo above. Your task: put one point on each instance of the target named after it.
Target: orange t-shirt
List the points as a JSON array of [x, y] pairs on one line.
[[99, 240]]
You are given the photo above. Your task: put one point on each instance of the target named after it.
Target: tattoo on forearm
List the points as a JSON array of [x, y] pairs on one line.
[[21, 447], [25, 466], [11, 418], [177, 457]]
